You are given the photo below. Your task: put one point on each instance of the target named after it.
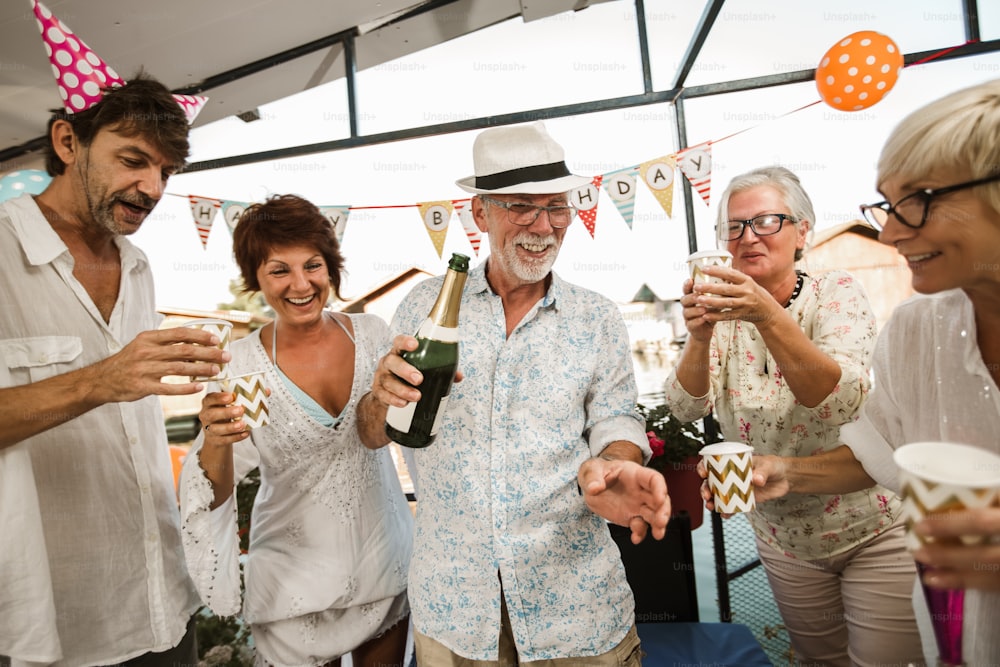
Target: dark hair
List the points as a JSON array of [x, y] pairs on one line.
[[143, 107], [284, 221]]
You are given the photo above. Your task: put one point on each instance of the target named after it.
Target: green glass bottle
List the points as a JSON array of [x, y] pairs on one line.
[[436, 357]]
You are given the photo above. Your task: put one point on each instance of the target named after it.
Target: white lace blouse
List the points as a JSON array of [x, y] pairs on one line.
[[330, 528]]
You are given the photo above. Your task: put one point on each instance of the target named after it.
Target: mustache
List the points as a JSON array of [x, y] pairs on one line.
[[138, 199], [535, 239]]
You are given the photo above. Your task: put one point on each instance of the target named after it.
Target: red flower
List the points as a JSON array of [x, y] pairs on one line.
[[656, 444]]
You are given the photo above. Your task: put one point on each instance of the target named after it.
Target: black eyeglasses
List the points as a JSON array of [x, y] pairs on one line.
[[762, 225], [524, 215], [914, 206]]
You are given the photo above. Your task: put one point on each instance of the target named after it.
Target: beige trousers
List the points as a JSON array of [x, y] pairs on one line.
[[431, 653], [853, 609]]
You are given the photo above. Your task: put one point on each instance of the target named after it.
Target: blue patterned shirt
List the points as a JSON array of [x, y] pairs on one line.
[[497, 494]]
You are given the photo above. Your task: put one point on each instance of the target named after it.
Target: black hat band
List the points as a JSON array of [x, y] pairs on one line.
[[541, 172]]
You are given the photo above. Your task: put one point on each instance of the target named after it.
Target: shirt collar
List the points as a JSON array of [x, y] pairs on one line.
[[477, 284], [42, 245]]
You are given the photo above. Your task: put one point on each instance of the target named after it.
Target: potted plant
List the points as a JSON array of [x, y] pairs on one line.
[[675, 446]]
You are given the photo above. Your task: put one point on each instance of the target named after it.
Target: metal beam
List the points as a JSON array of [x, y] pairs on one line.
[[350, 73], [701, 33], [971, 14], [688, 199], [441, 128], [640, 24]]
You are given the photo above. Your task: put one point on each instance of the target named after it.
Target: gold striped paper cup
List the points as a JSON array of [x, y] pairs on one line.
[[221, 328], [730, 476], [941, 477], [251, 392]]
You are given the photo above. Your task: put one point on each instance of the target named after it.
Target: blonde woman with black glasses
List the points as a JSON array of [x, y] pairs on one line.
[[937, 361]]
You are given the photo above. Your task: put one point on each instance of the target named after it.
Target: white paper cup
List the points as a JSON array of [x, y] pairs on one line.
[[251, 392], [221, 328], [705, 258], [938, 477], [730, 476]]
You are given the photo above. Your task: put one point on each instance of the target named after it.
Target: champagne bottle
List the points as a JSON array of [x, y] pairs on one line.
[[436, 357]]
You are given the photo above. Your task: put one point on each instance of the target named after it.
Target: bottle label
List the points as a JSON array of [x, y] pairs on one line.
[[442, 406], [434, 332], [401, 418]]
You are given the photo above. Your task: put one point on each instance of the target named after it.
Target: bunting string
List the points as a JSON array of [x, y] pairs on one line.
[[694, 162]]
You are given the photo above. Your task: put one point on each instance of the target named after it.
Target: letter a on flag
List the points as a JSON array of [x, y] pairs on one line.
[[659, 177], [231, 212]]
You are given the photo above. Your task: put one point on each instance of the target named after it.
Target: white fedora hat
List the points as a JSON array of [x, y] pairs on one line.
[[519, 159]]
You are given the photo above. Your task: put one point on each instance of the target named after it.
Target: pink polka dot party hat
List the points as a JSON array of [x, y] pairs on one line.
[[81, 74]]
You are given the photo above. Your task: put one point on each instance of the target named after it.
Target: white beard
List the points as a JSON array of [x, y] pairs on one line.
[[531, 270]]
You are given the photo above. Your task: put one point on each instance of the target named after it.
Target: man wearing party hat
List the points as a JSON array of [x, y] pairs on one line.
[[92, 571], [540, 445]]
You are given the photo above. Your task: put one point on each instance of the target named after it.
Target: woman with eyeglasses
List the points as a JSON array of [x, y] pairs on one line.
[[937, 361], [782, 358]]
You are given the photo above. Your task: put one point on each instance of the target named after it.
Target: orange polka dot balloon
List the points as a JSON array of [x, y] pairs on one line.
[[858, 70]]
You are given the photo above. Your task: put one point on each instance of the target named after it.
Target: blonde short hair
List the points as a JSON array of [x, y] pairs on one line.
[[959, 133]]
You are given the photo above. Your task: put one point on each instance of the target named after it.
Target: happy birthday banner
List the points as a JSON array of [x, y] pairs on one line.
[[620, 185], [854, 74]]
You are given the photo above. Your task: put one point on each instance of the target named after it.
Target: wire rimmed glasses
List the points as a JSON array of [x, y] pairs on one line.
[[914, 206], [524, 215]]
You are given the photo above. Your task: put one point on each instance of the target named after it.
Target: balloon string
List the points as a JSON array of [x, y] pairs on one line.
[[753, 127], [937, 55]]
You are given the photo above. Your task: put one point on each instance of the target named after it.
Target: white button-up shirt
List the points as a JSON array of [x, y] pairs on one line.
[[931, 383], [497, 490], [91, 568]]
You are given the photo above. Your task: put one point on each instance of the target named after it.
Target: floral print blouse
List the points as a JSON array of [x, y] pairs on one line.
[[754, 405]]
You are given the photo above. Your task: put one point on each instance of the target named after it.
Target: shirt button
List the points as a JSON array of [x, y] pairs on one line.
[[43, 359], [133, 440]]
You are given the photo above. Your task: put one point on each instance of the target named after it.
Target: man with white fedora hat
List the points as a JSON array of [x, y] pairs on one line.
[[540, 446]]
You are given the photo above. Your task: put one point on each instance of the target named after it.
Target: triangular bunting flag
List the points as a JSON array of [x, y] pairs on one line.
[[696, 163], [231, 212], [584, 199], [464, 210], [658, 174], [203, 211], [80, 73], [337, 215], [436, 215], [620, 186]]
